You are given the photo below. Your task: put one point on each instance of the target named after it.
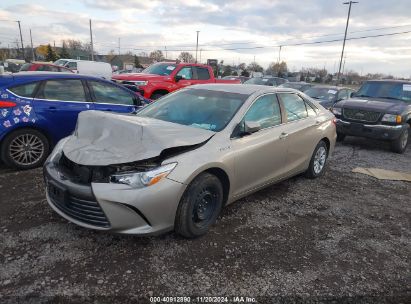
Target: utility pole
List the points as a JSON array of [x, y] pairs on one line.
[[279, 54], [345, 37], [91, 43], [32, 48], [197, 45], [21, 39], [165, 49], [119, 46]]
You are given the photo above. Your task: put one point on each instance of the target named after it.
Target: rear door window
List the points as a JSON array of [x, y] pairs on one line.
[[107, 93], [202, 73], [24, 90], [63, 89], [294, 106]]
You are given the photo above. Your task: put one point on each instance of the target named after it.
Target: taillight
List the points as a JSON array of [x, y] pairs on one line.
[[7, 104]]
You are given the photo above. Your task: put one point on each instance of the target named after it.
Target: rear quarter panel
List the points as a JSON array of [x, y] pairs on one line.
[[22, 115]]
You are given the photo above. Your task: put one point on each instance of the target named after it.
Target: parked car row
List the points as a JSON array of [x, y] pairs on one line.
[[162, 78]]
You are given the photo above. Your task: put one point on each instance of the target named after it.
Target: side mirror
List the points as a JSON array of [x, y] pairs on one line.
[[251, 127], [352, 94], [178, 78]]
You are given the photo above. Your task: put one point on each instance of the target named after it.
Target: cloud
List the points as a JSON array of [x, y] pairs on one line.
[[148, 25]]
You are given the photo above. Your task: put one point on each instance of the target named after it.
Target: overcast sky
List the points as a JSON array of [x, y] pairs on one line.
[[144, 25]]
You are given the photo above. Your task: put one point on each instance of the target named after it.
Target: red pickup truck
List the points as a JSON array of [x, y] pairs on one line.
[[164, 77]]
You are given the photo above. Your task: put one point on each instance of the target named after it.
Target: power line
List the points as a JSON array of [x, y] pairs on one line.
[[250, 42]]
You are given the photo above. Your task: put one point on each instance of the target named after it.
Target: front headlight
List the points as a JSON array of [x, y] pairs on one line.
[[142, 179], [57, 151], [391, 118], [336, 111], [140, 82]]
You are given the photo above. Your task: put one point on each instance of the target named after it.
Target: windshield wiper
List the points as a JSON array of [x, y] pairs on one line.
[[389, 97], [362, 96]]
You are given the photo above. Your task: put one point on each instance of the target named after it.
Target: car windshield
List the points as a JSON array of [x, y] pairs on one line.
[[60, 62], [200, 108], [261, 81], [389, 90], [321, 93], [25, 67], [163, 69]]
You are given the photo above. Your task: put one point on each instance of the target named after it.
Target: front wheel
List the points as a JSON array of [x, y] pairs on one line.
[[200, 206], [25, 149], [400, 144], [318, 161]]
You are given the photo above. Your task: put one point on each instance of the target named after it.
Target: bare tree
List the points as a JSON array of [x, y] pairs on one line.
[[186, 57], [157, 56]]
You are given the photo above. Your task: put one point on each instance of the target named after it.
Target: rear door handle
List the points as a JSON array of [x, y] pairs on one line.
[[52, 109], [318, 122], [283, 135]]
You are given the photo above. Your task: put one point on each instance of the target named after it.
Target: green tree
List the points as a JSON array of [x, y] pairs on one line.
[[137, 63], [227, 70], [51, 54], [64, 52]]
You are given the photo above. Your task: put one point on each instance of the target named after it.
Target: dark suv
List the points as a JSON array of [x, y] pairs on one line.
[[381, 109]]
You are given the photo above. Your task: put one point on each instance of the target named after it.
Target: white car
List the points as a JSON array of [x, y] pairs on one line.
[[85, 67]]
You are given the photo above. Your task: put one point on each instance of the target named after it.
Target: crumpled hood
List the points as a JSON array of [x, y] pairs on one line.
[[374, 104], [103, 138]]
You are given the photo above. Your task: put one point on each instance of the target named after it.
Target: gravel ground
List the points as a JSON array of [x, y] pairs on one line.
[[344, 237]]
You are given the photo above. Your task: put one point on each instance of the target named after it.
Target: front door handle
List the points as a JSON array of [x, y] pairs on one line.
[[283, 135], [318, 122], [52, 109]]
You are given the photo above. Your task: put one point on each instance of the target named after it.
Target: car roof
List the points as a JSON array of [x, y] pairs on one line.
[[389, 80], [322, 86], [22, 77], [247, 89]]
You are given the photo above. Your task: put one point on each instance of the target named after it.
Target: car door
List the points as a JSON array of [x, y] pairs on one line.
[[58, 103], [260, 156], [186, 74], [303, 130], [110, 97]]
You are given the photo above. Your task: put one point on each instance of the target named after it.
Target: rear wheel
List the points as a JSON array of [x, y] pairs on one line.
[[400, 144], [157, 95], [318, 161], [200, 206], [25, 149]]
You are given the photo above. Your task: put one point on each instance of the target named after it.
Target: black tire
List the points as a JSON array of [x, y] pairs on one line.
[[400, 144], [194, 218], [340, 137], [38, 149], [157, 95], [312, 171]]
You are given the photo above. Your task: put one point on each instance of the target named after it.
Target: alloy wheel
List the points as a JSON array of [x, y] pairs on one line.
[[26, 149], [319, 160]]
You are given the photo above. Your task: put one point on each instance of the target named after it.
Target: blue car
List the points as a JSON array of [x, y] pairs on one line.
[[38, 109]]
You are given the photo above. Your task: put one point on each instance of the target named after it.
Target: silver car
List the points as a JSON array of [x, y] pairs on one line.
[[178, 161]]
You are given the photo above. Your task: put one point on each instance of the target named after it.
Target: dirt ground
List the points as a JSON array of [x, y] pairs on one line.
[[343, 238]]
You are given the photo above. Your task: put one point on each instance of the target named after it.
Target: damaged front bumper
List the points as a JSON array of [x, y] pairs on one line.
[[113, 207]]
